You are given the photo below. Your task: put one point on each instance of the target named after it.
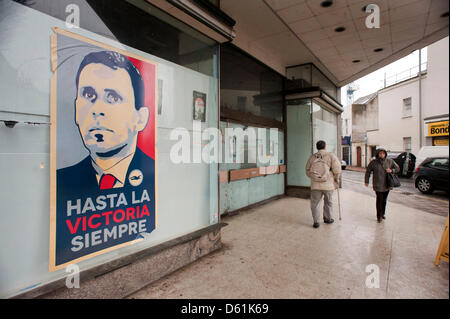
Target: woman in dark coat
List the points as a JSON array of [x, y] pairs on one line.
[[380, 167]]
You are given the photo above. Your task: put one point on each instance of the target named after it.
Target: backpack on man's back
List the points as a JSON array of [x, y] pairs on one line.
[[320, 170]]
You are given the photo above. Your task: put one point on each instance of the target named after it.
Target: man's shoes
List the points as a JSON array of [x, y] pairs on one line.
[[379, 219], [316, 225], [328, 221], [384, 217]]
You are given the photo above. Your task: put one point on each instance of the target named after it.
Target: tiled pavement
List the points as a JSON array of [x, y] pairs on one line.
[[273, 252]]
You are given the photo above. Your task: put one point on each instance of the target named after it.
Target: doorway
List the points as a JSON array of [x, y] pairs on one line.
[[358, 156], [346, 154]]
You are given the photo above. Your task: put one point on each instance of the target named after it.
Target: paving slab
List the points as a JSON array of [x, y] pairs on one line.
[[273, 251]]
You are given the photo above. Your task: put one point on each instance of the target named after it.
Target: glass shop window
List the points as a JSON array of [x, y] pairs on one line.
[[140, 25], [324, 127], [248, 86], [306, 76], [187, 82]]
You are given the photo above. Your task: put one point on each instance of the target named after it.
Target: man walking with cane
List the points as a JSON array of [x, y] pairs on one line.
[[324, 170]]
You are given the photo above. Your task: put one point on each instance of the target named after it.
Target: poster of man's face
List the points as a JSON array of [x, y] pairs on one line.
[[105, 108], [199, 106], [104, 156]]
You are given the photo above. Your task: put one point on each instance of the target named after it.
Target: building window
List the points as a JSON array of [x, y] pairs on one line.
[[407, 144], [407, 111]]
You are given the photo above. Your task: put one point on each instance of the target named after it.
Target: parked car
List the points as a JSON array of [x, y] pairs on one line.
[[432, 174], [430, 151], [405, 160], [343, 164]]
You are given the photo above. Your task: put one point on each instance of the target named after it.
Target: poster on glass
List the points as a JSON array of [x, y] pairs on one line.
[[103, 155]]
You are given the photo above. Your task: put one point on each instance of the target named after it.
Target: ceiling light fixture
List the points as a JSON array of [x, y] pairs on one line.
[[326, 4], [339, 29]]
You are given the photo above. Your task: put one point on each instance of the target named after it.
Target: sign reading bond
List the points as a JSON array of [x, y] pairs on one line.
[[103, 157], [438, 129]]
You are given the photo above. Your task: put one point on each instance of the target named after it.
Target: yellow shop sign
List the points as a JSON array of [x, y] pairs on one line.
[[438, 129]]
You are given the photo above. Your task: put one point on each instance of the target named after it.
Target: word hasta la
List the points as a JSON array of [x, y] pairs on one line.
[[102, 202]]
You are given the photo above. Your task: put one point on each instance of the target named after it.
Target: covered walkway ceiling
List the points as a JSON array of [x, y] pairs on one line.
[[284, 33]]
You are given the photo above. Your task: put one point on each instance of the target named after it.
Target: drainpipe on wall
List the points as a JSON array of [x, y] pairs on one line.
[[420, 100], [365, 150]]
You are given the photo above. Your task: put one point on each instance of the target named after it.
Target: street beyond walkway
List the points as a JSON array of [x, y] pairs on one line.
[[274, 252]]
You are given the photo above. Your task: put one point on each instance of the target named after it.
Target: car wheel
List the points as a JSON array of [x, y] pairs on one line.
[[424, 185]]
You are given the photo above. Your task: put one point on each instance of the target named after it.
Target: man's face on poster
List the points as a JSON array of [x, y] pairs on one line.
[[105, 110]]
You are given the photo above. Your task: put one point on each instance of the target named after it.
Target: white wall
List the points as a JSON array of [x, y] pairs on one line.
[[393, 127], [347, 115], [435, 90]]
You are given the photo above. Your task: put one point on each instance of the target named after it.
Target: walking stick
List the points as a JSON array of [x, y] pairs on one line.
[[339, 204], [339, 198]]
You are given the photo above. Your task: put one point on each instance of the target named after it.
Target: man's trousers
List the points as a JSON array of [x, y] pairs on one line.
[[316, 197], [381, 203]]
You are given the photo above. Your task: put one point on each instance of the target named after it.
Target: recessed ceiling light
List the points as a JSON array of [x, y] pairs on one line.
[[444, 15], [327, 3], [339, 29], [378, 50], [356, 61]]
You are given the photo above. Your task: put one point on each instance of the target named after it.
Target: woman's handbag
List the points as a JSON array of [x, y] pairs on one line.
[[392, 180]]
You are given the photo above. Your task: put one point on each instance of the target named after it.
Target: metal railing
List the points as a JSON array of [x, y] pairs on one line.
[[404, 75]]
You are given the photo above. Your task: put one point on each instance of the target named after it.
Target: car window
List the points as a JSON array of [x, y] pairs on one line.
[[439, 163]]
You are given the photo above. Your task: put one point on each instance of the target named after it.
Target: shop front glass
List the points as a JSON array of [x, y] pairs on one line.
[[308, 122], [324, 123], [52, 74], [298, 125]]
